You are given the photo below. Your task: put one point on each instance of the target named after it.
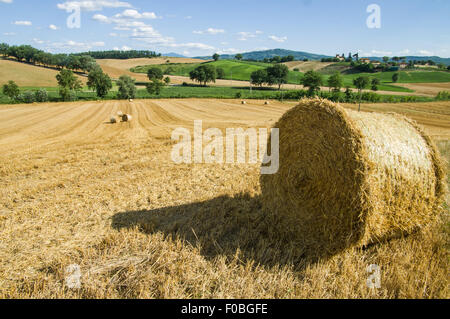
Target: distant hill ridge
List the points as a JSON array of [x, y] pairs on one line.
[[300, 55]]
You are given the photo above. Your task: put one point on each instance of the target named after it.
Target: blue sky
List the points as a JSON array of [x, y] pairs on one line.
[[192, 28]]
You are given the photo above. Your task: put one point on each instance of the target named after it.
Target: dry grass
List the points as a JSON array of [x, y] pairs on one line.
[[307, 66], [77, 190], [426, 88], [28, 75]]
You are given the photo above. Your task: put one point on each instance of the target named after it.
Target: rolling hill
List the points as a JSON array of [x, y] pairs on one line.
[[261, 55]]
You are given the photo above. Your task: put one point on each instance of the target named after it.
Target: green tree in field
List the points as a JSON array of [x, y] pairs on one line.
[[313, 81], [361, 83], [238, 57], [395, 77], [336, 82], [11, 90], [167, 80], [374, 84], [216, 57], [258, 77], [68, 84], [204, 74], [99, 81], [155, 86], [127, 87], [4, 49], [155, 74], [220, 73], [277, 74]]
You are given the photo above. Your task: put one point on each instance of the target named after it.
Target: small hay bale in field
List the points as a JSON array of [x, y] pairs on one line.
[[243, 102], [126, 118], [350, 178], [131, 100], [113, 120], [266, 103], [120, 114]]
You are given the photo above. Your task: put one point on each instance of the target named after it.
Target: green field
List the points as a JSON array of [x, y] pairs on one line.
[[241, 70]]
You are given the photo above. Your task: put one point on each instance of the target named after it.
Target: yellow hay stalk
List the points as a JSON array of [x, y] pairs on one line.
[[351, 178]]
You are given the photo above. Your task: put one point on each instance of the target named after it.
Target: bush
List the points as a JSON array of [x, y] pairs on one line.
[[238, 95], [27, 97], [443, 96], [41, 95]]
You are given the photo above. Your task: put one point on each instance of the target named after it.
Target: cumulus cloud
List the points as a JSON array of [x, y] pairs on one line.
[[93, 5], [53, 27], [70, 45], [23, 23], [6, 1], [278, 39], [211, 31], [244, 36], [134, 14], [425, 52]]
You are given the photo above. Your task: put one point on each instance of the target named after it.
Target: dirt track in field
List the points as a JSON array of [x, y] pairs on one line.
[[75, 189]]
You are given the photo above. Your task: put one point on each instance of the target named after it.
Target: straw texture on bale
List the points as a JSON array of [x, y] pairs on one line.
[[126, 118], [350, 178]]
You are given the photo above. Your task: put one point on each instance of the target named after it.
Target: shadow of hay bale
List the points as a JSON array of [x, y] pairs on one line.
[[221, 226]]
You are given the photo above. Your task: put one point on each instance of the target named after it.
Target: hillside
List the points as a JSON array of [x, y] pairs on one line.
[[261, 55], [28, 75], [435, 59]]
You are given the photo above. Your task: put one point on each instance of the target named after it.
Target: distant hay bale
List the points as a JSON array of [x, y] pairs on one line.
[[126, 118], [350, 178], [131, 100], [113, 120], [243, 102], [266, 103]]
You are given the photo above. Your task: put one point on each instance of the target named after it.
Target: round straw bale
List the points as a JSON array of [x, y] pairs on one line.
[[126, 118], [113, 120], [266, 103], [350, 178], [243, 102]]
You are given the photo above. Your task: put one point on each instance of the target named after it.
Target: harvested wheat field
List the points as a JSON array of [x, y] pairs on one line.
[[307, 66], [78, 190], [28, 75], [116, 67]]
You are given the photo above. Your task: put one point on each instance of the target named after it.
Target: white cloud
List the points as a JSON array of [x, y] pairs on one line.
[[278, 39], [38, 41], [134, 14], [93, 5], [23, 23], [124, 48], [9, 33], [73, 45], [191, 45], [425, 52], [244, 36], [211, 31], [6, 1], [405, 52], [53, 27]]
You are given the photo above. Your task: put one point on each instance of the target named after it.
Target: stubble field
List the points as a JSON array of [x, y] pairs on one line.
[[78, 190]]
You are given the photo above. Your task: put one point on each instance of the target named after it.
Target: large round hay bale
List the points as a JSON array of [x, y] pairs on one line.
[[350, 178], [126, 118]]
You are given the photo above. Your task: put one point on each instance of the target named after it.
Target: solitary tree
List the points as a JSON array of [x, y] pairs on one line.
[[312, 80], [167, 80], [11, 90], [99, 81], [258, 77], [127, 87], [395, 77], [220, 73], [336, 82], [68, 84], [239, 56], [216, 57], [277, 74], [375, 82], [155, 86], [361, 83], [204, 74], [155, 74]]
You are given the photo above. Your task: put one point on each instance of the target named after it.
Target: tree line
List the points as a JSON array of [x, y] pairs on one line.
[[121, 55]]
